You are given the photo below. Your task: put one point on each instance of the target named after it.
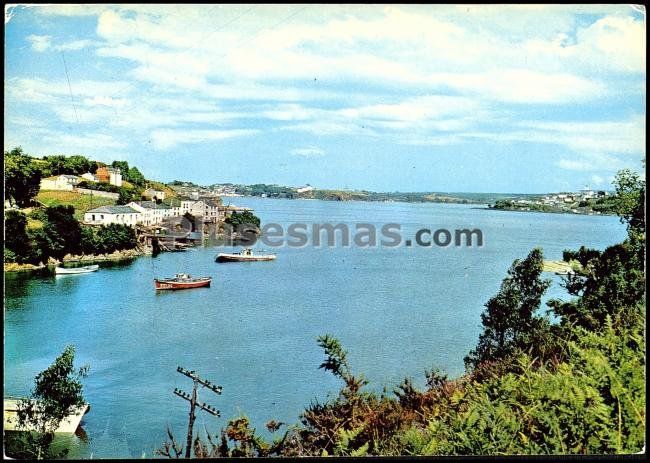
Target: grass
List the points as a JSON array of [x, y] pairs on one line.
[[80, 202]]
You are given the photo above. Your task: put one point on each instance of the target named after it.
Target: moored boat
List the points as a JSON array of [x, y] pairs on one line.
[[75, 270], [68, 424], [246, 255], [182, 281]]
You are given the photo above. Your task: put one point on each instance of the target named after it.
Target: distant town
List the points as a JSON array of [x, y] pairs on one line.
[[585, 201]]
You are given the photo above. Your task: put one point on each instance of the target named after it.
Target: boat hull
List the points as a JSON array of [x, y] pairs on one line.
[[241, 258], [76, 271], [175, 285], [68, 425]]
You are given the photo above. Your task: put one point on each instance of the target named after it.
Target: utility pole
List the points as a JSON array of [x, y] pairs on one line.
[[193, 399]]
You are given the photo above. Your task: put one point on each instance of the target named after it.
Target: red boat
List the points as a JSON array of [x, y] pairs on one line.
[[182, 281]]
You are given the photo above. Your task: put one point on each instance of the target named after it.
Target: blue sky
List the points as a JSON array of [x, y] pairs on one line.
[[388, 98]]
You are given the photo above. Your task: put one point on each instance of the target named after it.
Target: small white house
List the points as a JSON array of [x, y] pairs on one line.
[[154, 194], [305, 189], [90, 177], [106, 215], [60, 182]]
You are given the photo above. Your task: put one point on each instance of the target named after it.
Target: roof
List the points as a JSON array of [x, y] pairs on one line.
[[151, 205], [113, 210]]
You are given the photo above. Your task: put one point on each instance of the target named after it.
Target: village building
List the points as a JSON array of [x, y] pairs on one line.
[[60, 182], [90, 177], [110, 175], [153, 194], [105, 215], [151, 213]]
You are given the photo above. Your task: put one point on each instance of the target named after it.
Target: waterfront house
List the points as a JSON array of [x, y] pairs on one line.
[[60, 182], [151, 213], [110, 175], [106, 215]]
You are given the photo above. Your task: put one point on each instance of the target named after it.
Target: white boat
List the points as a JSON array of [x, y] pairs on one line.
[[69, 424], [245, 256], [75, 270]]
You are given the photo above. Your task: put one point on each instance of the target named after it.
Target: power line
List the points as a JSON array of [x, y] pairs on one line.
[[193, 399], [65, 66]]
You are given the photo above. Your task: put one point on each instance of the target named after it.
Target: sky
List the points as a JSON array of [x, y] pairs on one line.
[[513, 99]]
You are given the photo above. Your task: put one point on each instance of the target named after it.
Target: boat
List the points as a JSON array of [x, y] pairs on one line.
[[69, 424], [182, 281], [75, 270], [246, 255]]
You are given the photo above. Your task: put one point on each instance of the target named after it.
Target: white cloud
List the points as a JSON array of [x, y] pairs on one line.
[[165, 139], [308, 152], [40, 43]]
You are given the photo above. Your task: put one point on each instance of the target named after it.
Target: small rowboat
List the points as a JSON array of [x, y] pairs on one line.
[[182, 281], [75, 270], [245, 256]]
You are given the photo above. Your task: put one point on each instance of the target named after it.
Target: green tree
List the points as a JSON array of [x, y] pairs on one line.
[[16, 238], [78, 165], [60, 234], [22, 177], [510, 322], [56, 165], [57, 392], [134, 176], [243, 218]]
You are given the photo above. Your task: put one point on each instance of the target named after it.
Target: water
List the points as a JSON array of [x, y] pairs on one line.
[[398, 311]]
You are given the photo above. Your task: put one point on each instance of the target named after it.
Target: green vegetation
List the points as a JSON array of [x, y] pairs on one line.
[[22, 177], [245, 218], [81, 202], [71, 165], [574, 385], [57, 391], [58, 234], [130, 174]]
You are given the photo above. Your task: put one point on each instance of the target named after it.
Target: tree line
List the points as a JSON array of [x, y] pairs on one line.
[[55, 232]]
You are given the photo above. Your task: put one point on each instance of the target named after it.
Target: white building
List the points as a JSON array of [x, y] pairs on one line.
[[90, 177], [105, 215], [210, 210], [305, 189], [151, 213], [60, 182], [154, 194]]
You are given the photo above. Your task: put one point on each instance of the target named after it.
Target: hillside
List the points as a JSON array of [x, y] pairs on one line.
[[80, 202]]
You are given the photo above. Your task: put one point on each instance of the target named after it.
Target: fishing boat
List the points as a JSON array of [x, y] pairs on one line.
[[68, 424], [182, 281], [75, 270], [246, 255]]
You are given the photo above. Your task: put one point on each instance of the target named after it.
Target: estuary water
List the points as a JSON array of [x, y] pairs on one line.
[[398, 311]]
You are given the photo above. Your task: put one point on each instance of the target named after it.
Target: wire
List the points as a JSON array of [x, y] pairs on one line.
[[65, 66]]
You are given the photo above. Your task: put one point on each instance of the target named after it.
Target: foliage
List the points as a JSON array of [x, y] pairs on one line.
[[57, 391], [71, 165], [592, 403], [107, 238], [510, 321], [22, 177], [16, 240], [61, 233], [245, 218]]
